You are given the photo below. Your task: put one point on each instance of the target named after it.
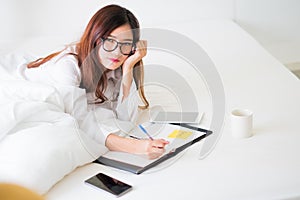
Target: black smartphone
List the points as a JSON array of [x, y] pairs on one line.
[[109, 184]]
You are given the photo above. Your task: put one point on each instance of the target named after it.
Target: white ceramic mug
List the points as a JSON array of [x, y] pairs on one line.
[[241, 123]]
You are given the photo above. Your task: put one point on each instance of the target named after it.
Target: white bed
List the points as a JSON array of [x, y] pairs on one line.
[[265, 166]]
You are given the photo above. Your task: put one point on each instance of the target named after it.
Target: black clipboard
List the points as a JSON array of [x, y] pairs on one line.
[[140, 169]]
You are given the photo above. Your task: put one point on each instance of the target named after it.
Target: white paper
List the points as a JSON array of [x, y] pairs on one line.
[[156, 131]]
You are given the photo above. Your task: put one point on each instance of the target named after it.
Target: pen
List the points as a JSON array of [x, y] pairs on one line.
[[144, 130], [134, 137]]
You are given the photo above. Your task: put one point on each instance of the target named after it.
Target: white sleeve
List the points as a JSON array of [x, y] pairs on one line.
[[64, 74], [97, 123], [97, 129], [64, 71], [109, 122], [128, 109]]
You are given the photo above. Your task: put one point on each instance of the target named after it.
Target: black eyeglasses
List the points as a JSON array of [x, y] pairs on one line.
[[110, 45]]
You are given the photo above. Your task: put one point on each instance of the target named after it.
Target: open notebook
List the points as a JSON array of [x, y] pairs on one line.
[[179, 137]]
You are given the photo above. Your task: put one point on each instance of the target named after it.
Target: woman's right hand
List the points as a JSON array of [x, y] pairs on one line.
[[153, 148]]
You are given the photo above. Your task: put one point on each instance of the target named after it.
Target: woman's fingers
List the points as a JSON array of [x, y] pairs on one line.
[[155, 153], [141, 48], [141, 45], [157, 148], [160, 143], [140, 53]]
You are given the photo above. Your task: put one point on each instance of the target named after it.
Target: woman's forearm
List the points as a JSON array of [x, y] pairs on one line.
[[150, 148], [118, 143], [126, 83]]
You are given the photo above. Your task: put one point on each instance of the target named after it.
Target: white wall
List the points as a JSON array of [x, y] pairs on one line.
[[28, 24], [11, 20], [76, 13], [275, 24], [31, 21]]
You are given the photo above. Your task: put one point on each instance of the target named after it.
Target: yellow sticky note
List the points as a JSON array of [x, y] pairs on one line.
[[180, 134]]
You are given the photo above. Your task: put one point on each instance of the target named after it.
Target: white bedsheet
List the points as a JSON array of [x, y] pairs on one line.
[[265, 166]]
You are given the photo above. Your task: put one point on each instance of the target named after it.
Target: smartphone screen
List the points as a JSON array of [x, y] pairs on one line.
[[109, 184]]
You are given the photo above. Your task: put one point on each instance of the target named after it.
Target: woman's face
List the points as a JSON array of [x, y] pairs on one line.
[[112, 58]]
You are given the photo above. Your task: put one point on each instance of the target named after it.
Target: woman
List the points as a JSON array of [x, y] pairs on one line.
[[107, 63]]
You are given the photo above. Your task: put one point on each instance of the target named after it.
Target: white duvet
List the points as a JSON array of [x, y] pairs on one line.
[[39, 142]]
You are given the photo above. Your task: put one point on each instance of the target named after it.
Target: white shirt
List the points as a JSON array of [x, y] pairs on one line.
[[97, 120]]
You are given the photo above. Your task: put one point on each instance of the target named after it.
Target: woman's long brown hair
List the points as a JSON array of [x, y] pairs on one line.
[[93, 73]]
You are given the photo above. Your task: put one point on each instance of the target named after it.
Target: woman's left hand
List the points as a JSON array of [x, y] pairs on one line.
[[140, 52]]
